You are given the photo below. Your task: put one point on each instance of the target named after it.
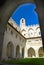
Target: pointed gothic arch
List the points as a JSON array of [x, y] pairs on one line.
[[10, 50], [17, 51], [23, 52], [31, 52], [40, 52]]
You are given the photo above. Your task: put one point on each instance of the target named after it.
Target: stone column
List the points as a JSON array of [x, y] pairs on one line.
[[14, 55], [20, 52], [36, 52], [25, 53]]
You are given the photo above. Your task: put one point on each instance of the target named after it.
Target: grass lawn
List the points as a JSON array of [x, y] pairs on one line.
[[33, 61]]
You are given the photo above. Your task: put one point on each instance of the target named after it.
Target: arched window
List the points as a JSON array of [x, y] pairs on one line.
[[23, 30], [38, 31], [31, 32]]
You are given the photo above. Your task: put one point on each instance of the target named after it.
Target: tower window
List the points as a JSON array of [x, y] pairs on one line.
[[22, 20]]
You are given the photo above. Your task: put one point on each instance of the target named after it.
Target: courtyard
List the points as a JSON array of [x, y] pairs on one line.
[[36, 61]]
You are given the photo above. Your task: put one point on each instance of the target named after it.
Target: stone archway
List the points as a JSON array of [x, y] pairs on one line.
[[17, 51], [31, 52], [8, 7], [40, 52], [10, 50]]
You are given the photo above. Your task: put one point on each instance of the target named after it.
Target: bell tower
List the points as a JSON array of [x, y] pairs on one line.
[[22, 23]]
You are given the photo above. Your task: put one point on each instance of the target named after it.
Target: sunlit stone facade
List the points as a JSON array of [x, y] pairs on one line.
[[22, 42], [29, 31]]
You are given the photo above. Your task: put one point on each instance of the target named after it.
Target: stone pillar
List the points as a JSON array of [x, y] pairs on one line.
[[25, 53], [14, 55], [20, 52], [36, 52]]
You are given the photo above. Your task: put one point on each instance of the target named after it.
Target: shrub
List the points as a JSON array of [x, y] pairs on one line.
[[36, 61]]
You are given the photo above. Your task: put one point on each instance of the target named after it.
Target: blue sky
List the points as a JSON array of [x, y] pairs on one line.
[[26, 11]]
